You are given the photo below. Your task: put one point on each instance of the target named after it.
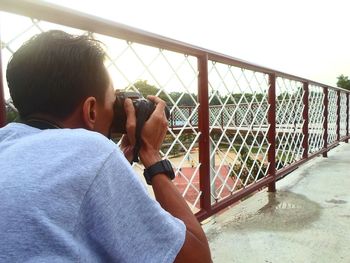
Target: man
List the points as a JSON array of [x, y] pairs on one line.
[[67, 193]]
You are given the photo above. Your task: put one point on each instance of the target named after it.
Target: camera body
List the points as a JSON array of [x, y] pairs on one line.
[[143, 109]]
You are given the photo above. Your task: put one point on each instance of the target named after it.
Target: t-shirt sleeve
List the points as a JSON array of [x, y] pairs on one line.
[[121, 223]]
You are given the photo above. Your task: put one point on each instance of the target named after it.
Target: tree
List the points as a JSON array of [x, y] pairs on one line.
[[146, 89], [343, 82], [187, 99]]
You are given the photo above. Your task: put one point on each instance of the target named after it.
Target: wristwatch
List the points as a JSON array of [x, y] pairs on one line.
[[161, 167]]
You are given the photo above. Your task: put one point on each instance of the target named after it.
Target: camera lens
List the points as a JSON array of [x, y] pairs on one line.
[[143, 109]]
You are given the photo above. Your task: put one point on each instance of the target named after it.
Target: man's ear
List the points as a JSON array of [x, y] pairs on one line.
[[90, 112]]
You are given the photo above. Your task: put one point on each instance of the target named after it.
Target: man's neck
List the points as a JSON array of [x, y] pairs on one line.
[[73, 121]]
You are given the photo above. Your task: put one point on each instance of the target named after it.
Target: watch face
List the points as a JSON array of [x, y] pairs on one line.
[[169, 169]]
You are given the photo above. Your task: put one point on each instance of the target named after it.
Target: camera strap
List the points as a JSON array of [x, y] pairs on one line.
[[141, 118], [42, 124]]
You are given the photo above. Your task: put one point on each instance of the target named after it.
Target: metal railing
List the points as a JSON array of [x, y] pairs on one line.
[[235, 127]]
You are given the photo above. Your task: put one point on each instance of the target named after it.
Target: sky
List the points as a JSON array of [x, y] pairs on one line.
[[306, 38]]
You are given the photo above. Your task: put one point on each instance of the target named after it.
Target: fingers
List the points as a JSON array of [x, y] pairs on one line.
[[160, 104], [130, 120], [124, 142], [153, 132], [155, 99]]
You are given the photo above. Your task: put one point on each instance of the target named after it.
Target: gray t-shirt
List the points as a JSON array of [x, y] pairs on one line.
[[69, 195]]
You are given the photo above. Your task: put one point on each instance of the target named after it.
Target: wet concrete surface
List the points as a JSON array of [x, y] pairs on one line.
[[306, 220]]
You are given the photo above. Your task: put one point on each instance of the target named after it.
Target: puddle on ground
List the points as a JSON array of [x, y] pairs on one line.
[[283, 211], [336, 201]]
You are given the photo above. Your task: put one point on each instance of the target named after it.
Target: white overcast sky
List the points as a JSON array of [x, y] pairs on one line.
[[307, 38]]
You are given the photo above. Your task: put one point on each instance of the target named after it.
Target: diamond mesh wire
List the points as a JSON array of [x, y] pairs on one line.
[[289, 122], [238, 128], [316, 118], [332, 116], [148, 70], [173, 77], [343, 114]]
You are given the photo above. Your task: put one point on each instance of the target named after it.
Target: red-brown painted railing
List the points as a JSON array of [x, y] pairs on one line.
[[64, 16], [2, 99], [272, 132], [348, 118], [306, 120]]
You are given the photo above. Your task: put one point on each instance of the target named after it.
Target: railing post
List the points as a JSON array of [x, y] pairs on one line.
[[203, 126], [347, 117], [338, 115], [306, 120], [189, 114], [325, 121], [172, 119], [222, 119], [2, 98], [271, 136], [235, 118]]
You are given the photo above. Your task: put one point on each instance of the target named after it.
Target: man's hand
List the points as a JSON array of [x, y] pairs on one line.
[[127, 148], [128, 139], [153, 133]]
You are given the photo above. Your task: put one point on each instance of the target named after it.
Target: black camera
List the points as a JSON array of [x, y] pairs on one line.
[[143, 110]]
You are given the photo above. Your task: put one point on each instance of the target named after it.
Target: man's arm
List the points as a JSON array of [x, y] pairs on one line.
[[195, 248]]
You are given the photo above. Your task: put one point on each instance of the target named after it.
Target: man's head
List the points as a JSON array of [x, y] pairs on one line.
[[59, 75]]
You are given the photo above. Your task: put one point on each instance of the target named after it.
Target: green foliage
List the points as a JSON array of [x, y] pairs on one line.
[[215, 101], [234, 98], [245, 97], [146, 89], [190, 99], [11, 115], [249, 165], [186, 140], [343, 82], [290, 95], [283, 96], [186, 99]]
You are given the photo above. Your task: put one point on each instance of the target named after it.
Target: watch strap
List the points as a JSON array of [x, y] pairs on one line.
[[161, 167]]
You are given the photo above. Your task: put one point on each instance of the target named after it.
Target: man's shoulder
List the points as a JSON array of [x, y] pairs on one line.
[[82, 136], [74, 141], [88, 141]]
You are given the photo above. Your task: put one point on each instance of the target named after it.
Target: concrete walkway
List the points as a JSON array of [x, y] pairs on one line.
[[306, 220]]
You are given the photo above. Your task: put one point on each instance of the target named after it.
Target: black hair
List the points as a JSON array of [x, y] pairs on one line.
[[53, 72]]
